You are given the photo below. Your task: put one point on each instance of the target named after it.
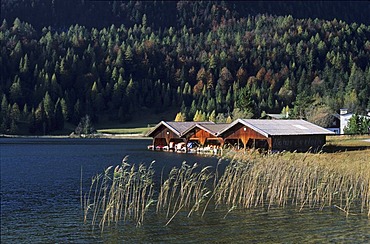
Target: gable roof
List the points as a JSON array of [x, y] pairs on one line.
[[179, 128], [280, 127], [211, 128]]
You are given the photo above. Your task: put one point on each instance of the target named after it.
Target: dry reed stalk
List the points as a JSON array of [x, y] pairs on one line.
[[304, 182], [126, 193], [184, 189], [248, 181]]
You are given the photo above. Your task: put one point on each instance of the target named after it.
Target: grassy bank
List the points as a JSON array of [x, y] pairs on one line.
[[126, 131], [347, 143]]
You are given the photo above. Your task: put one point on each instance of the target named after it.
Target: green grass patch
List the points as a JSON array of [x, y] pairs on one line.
[[345, 143], [137, 131]]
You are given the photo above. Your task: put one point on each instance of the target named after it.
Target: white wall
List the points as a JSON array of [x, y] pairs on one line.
[[344, 121], [335, 130]]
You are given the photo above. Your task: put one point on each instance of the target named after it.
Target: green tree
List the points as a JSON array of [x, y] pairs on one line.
[[285, 92], [15, 91], [85, 126], [128, 54], [13, 128], [24, 64], [243, 105], [59, 116], [119, 59], [4, 107], [15, 113], [351, 101], [131, 90], [212, 62], [77, 111], [48, 106], [193, 109], [65, 110], [40, 124], [357, 125]]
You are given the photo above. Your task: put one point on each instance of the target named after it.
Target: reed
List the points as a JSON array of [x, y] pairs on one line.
[[123, 193], [304, 180], [185, 189]]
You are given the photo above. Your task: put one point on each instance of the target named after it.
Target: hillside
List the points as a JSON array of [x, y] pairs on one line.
[[163, 14], [217, 59]]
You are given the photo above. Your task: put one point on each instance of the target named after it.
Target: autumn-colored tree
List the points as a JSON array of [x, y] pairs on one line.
[[180, 117]]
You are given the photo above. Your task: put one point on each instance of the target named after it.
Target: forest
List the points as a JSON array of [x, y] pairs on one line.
[[208, 60]]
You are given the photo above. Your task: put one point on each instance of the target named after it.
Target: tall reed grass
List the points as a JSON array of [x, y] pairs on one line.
[[185, 188], [123, 193], [302, 180], [314, 181]]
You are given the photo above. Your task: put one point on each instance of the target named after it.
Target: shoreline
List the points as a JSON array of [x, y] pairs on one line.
[[94, 136]]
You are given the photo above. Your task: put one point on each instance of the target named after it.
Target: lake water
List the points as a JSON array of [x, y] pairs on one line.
[[40, 201]]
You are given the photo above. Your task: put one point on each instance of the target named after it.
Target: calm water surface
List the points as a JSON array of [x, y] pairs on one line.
[[40, 201]]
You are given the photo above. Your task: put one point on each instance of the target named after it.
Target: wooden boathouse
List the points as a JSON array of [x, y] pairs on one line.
[[275, 135], [166, 135], [205, 134]]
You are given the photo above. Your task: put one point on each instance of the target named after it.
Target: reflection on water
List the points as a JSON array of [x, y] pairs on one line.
[[40, 201]]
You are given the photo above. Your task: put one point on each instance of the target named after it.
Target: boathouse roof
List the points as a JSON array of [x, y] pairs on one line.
[[280, 127], [211, 128], [179, 128]]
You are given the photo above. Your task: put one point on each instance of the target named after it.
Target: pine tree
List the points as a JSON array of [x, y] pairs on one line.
[[59, 117], [128, 54], [48, 106], [15, 91], [77, 111], [40, 124], [193, 109], [13, 128], [4, 107], [24, 64], [15, 113]]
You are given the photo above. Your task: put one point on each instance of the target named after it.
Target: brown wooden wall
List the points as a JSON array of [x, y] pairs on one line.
[[300, 143], [237, 132], [163, 132], [201, 136]]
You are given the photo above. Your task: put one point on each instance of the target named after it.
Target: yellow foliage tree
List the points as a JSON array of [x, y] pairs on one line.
[[180, 117]]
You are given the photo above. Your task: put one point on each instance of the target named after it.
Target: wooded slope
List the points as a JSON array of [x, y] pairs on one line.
[[215, 61]]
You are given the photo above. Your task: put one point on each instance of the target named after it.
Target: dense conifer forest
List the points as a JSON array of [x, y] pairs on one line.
[[208, 60]]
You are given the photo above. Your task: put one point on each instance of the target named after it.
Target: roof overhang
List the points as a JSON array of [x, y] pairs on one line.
[[249, 123], [151, 132], [200, 126], [245, 123]]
